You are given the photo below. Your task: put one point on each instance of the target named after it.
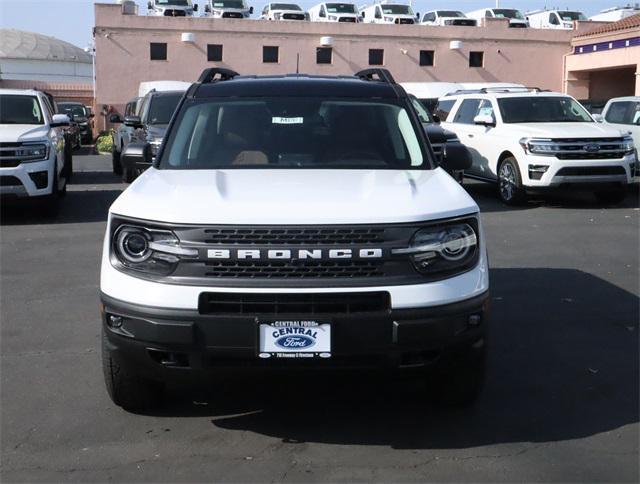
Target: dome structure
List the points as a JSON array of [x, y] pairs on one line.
[[36, 57]]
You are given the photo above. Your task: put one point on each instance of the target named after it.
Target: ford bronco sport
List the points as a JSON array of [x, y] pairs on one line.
[[292, 222]]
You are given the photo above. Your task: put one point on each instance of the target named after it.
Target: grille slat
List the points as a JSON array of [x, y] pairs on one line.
[[591, 171], [293, 304], [294, 269], [294, 236]]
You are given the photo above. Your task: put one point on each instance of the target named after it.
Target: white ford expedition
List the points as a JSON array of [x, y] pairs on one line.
[[530, 140], [293, 222], [32, 147]]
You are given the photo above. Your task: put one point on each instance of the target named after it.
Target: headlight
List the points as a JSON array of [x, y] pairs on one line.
[[544, 147], [146, 250], [34, 152], [446, 249], [388, 19], [333, 17], [277, 15], [628, 145], [307, 16], [155, 145]]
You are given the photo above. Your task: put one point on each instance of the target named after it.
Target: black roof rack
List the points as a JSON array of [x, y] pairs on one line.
[[209, 75], [383, 75]]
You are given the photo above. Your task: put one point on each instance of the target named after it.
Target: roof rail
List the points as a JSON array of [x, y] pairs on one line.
[[485, 90], [383, 75], [209, 75]]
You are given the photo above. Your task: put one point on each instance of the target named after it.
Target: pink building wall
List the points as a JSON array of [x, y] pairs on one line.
[[528, 56]]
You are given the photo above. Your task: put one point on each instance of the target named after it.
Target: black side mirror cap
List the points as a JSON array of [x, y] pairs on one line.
[[455, 157], [251, 10], [115, 119], [136, 153], [133, 121], [195, 7], [436, 119]]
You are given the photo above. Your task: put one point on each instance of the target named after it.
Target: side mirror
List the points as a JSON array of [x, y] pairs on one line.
[[136, 153], [195, 7], [59, 120], [133, 121], [484, 120], [436, 119], [322, 14], [115, 119], [207, 9], [149, 5], [362, 14], [455, 157], [598, 118], [418, 15], [251, 10]]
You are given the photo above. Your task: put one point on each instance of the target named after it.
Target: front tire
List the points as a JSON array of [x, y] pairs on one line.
[[125, 386], [115, 161], [510, 188]]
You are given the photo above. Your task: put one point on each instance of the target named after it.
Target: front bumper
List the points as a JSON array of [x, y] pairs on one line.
[[162, 342], [20, 181], [578, 172]]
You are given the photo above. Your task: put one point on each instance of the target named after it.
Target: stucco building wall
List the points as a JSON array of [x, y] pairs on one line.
[[529, 56]]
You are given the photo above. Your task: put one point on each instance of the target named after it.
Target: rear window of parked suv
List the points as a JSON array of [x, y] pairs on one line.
[[293, 133]]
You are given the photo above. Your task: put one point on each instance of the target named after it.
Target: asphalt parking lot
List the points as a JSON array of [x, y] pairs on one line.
[[561, 402]]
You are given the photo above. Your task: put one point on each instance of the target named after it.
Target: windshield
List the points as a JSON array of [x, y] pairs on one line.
[[569, 16], [396, 10], [552, 109], [178, 3], [624, 112], [341, 8], [20, 110], [294, 133], [228, 4], [507, 13], [449, 13], [162, 108], [284, 6], [77, 110]]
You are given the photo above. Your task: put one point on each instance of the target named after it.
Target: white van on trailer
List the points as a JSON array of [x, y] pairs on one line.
[[171, 8], [388, 12], [227, 9], [447, 17], [554, 19], [516, 19], [334, 12], [616, 13]]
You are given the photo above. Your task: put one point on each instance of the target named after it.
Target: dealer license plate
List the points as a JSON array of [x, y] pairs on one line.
[[294, 339]]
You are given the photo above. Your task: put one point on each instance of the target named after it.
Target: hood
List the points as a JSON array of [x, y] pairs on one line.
[[15, 133], [564, 130], [254, 196]]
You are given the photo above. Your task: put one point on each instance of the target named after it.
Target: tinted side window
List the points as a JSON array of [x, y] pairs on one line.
[[467, 111], [553, 19], [444, 108]]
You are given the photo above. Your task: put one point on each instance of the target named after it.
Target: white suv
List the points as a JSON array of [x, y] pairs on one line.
[[32, 147], [526, 140], [293, 222]]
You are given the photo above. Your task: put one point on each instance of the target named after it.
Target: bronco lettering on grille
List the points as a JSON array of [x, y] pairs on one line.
[[291, 254]]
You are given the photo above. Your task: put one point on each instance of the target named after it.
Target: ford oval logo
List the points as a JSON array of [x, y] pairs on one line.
[[290, 342], [592, 148]]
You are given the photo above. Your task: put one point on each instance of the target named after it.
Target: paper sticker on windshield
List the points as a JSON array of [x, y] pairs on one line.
[[279, 120]]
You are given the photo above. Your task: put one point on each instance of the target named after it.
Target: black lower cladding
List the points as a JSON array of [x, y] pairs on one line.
[[365, 333]]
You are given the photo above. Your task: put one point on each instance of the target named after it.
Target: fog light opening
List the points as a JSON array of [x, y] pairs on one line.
[[114, 321], [475, 320], [536, 171]]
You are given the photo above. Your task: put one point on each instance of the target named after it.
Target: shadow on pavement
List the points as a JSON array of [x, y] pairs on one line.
[[79, 206], [485, 195], [563, 365]]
